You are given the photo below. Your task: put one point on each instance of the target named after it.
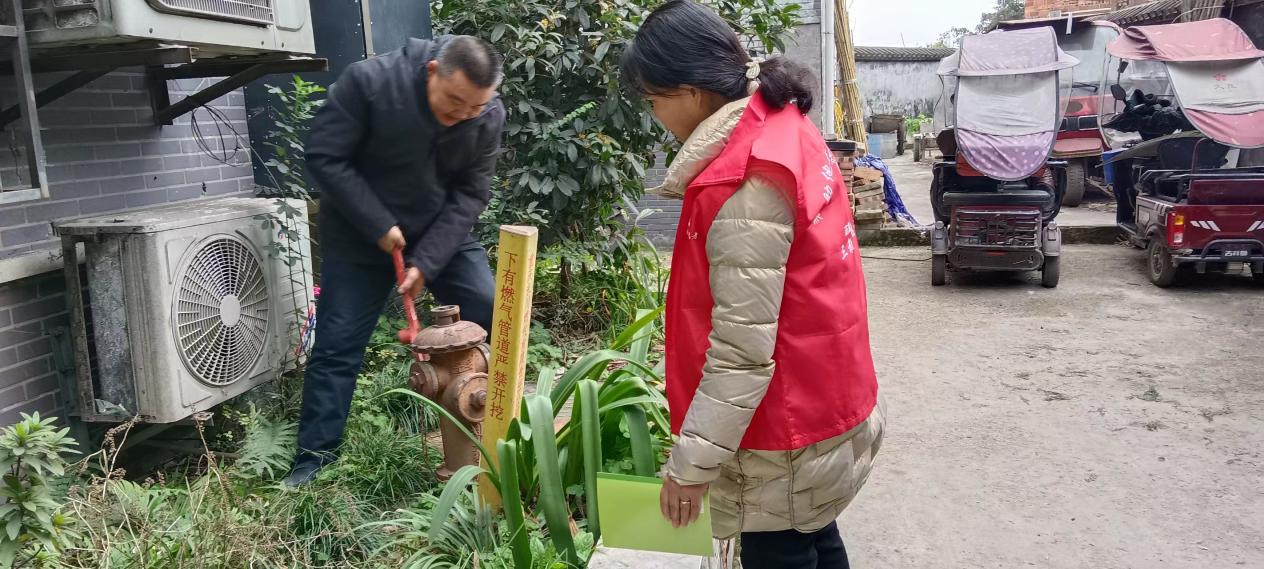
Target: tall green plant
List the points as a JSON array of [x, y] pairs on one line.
[[31, 523], [287, 175], [292, 118]]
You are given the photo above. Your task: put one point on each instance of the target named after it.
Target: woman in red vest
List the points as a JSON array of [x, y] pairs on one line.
[[769, 377]]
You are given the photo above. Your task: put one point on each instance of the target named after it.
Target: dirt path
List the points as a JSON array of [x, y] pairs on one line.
[[1104, 424]]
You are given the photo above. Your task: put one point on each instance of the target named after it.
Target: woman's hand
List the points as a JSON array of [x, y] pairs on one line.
[[681, 505]]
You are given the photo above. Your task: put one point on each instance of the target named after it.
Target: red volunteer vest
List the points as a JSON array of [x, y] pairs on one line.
[[824, 383]]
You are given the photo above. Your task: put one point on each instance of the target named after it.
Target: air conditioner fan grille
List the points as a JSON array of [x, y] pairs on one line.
[[222, 311], [250, 11]]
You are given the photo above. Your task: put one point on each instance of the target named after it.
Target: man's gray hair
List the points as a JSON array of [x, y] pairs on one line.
[[476, 58]]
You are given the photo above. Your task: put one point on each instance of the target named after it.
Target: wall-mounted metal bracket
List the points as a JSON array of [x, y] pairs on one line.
[[236, 72]]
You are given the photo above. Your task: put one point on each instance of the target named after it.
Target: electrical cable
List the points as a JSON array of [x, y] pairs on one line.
[[895, 259], [221, 121]]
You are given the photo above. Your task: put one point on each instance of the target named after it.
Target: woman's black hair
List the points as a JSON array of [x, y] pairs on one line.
[[684, 43]]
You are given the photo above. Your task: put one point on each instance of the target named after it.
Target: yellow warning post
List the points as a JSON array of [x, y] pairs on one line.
[[511, 325]]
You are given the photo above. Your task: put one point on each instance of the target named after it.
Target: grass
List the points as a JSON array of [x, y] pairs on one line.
[[381, 504]]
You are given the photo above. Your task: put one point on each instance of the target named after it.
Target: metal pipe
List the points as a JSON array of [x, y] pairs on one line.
[[829, 66]]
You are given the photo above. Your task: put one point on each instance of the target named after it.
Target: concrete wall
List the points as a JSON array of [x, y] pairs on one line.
[[104, 154], [804, 45], [899, 87]]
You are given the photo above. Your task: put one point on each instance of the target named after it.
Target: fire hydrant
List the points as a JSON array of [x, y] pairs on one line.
[[454, 376]]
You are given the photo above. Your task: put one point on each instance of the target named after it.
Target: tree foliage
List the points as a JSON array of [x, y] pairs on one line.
[[577, 146], [1003, 10]]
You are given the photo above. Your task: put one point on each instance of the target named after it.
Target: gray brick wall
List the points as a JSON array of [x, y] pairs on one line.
[[104, 154], [29, 310], [660, 226]]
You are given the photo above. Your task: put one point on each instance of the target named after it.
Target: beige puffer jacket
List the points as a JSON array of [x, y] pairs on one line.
[[748, 245]]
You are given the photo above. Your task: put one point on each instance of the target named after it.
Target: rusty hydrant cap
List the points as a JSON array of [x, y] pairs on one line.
[[448, 333]]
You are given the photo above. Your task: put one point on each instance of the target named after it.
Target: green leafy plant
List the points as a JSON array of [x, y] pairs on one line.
[[619, 413], [606, 291], [914, 125], [268, 446], [31, 522], [298, 105], [542, 353]]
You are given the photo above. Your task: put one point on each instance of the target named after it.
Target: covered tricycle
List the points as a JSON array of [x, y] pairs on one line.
[[1181, 103], [996, 193]]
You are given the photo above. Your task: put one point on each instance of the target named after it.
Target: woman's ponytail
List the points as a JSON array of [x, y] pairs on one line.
[[782, 82]]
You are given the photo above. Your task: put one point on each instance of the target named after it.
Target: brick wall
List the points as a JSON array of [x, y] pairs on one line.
[[104, 154], [1042, 8], [660, 226], [29, 309]]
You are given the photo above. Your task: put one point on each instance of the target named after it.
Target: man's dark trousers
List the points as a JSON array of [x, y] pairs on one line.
[[352, 296]]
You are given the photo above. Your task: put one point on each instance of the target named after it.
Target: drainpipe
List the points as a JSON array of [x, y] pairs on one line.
[[829, 67]]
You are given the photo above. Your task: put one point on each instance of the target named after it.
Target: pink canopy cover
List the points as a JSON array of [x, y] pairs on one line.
[[1216, 39], [1215, 71]]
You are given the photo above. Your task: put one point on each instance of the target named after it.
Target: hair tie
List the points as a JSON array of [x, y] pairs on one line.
[[753, 69]]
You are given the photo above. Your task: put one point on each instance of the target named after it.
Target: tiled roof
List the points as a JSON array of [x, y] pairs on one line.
[[1163, 12], [864, 53]]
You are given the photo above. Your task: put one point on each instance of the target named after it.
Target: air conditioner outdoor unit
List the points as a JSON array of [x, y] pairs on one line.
[[216, 27], [188, 305]]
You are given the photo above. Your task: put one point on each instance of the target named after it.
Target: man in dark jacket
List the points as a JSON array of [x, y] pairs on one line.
[[403, 152]]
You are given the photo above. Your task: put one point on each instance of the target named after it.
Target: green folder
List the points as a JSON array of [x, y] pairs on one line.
[[631, 518]]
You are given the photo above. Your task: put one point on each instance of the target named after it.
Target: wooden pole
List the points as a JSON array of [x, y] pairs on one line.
[[511, 325], [854, 121]]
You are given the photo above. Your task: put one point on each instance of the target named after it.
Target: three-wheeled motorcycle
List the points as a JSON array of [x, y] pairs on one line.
[[1183, 101], [1079, 140], [996, 193]]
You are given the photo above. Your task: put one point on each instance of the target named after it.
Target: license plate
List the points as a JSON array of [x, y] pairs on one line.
[[1237, 253]]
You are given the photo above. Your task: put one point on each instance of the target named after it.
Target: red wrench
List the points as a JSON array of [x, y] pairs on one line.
[[410, 309]]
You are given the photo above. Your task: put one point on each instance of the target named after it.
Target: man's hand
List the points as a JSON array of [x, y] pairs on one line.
[[394, 239], [681, 505], [414, 282]]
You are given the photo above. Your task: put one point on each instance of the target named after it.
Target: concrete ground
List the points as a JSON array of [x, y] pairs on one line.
[[913, 180], [1103, 424]]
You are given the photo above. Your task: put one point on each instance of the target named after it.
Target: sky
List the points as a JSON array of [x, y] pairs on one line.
[[911, 22]]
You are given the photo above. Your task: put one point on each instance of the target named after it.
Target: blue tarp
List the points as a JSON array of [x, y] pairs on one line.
[[895, 204]]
